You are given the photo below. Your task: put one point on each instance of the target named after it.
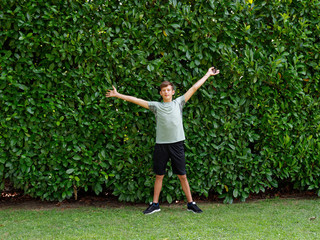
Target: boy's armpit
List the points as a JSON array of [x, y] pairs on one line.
[[153, 107]]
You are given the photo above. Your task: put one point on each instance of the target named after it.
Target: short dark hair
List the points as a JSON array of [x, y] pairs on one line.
[[166, 84]]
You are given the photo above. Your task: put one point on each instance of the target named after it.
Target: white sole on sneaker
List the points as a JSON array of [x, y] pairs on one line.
[[193, 211], [158, 210]]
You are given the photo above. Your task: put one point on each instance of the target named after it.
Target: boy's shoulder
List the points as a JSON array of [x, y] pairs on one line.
[[181, 98]]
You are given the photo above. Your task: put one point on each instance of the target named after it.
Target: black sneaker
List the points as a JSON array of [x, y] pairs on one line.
[[194, 208], [153, 207]]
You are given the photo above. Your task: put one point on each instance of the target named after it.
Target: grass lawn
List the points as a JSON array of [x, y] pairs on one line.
[[263, 219]]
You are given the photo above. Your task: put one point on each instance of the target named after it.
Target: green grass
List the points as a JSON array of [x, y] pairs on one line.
[[264, 219]]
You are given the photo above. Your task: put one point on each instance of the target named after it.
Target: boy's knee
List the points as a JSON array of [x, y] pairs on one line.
[[182, 177], [159, 177]]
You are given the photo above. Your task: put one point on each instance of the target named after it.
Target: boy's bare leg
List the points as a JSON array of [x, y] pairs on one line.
[[157, 188], [185, 187]]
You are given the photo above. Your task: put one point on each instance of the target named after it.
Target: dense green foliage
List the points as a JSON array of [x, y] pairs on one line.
[[255, 125]]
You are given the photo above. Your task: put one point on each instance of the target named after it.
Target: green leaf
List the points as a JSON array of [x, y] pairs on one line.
[[97, 188], [69, 171], [77, 157], [235, 193], [175, 25], [150, 68]]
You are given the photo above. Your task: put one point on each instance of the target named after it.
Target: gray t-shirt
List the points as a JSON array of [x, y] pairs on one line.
[[169, 120]]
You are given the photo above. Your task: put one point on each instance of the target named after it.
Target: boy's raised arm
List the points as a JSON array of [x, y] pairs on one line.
[[211, 72], [138, 101]]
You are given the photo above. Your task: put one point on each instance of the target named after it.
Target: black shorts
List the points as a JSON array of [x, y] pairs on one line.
[[164, 152]]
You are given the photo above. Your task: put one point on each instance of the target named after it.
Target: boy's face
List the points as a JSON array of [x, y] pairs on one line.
[[167, 93]]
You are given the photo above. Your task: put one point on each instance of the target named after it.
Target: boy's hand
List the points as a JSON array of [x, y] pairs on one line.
[[212, 71], [112, 93]]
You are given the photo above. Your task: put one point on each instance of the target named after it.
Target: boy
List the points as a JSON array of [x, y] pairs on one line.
[[169, 136]]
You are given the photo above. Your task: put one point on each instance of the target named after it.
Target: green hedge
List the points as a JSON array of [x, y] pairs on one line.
[[252, 127]]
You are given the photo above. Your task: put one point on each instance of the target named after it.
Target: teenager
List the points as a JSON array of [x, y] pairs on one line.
[[169, 136]]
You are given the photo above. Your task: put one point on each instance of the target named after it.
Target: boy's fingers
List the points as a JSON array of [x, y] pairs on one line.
[[213, 70]]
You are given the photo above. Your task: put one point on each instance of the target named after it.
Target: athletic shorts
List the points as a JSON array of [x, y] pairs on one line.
[[164, 152]]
